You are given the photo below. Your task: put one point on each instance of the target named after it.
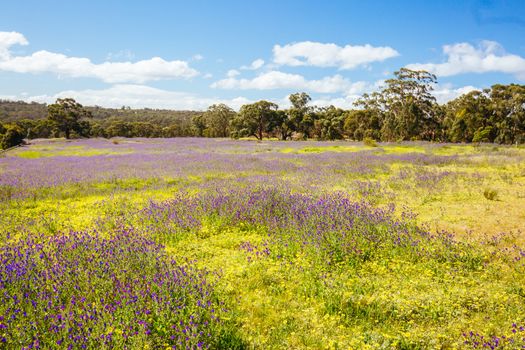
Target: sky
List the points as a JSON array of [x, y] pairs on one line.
[[191, 54]]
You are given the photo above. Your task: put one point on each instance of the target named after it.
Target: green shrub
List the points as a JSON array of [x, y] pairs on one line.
[[482, 135], [13, 136], [370, 142], [490, 194]]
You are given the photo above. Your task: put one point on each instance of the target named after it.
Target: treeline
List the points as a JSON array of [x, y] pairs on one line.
[[146, 122], [404, 109], [33, 119], [14, 111]]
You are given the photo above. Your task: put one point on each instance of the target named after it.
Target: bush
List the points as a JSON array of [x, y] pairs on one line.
[[13, 136], [490, 194], [369, 142], [482, 135]]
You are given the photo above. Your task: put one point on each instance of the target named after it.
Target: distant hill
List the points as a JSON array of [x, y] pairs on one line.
[[11, 111]]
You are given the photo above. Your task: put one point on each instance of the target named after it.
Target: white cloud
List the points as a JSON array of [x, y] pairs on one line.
[[339, 102], [136, 96], [445, 93], [13, 97], [122, 54], [8, 39], [198, 57], [280, 80], [140, 96], [308, 53], [232, 73], [489, 56], [43, 61], [347, 99], [258, 63]]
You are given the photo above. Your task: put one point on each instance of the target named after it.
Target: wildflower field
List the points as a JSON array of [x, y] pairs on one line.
[[214, 243]]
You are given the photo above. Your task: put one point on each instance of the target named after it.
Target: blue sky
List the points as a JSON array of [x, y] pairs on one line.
[[188, 55]]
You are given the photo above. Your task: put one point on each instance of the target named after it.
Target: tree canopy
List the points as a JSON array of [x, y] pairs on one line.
[[215, 122], [255, 119], [11, 136], [66, 116]]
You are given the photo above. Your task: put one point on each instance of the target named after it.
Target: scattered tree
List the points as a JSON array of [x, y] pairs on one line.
[[405, 105], [66, 115], [467, 117], [361, 124], [300, 116], [329, 124], [256, 119], [508, 112], [217, 119]]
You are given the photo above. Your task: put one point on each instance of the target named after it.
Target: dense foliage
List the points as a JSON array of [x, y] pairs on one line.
[[404, 109], [34, 122], [11, 136]]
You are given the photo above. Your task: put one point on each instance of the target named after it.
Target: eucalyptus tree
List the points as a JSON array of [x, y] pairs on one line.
[[282, 126], [66, 115], [508, 112], [405, 105], [329, 124], [361, 123], [300, 116], [292, 120], [217, 120], [468, 118], [198, 125], [255, 119]]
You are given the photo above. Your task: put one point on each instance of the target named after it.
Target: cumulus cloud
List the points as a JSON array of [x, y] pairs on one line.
[[462, 58], [8, 39], [344, 102], [232, 73], [120, 55], [140, 96], [44, 61], [136, 96], [445, 93], [308, 53], [258, 63], [280, 80]]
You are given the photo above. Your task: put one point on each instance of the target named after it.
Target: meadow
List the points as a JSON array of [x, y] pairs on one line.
[[215, 243]]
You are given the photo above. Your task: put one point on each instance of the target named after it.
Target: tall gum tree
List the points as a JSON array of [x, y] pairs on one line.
[[406, 105], [66, 115], [255, 119]]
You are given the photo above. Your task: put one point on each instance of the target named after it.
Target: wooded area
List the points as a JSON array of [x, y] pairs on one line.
[[404, 109]]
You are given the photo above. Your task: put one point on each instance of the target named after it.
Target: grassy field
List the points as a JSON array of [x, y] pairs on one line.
[[214, 243]]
